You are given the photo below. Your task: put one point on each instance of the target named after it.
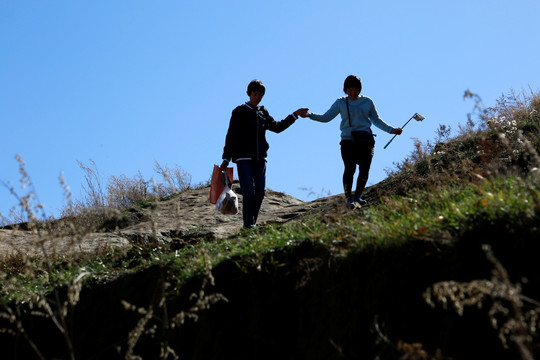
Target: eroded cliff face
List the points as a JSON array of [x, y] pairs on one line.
[[305, 303]]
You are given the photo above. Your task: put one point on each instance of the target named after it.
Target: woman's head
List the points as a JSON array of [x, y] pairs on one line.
[[352, 81]]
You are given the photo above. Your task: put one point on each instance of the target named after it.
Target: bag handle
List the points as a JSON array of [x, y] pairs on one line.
[[348, 113], [226, 179]]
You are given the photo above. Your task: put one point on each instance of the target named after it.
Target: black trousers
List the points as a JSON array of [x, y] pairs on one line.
[[353, 154]]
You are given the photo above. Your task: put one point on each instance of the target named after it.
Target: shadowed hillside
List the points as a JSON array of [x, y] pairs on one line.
[[442, 264]]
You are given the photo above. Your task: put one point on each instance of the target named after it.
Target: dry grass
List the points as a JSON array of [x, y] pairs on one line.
[[101, 202], [514, 315]]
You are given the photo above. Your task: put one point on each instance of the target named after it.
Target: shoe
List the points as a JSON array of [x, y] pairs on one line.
[[350, 203], [360, 201]]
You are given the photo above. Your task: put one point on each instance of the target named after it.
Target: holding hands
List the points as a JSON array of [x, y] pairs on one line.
[[302, 112]]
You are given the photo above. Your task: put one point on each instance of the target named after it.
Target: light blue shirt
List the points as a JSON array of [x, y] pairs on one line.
[[363, 114]]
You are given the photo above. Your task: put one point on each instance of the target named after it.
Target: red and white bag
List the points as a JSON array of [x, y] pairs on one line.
[[217, 184]]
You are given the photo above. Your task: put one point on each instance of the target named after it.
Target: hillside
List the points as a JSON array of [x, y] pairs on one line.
[[442, 264], [185, 217]]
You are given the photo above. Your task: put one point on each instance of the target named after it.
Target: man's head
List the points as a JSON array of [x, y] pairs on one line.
[[255, 92], [256, 85]]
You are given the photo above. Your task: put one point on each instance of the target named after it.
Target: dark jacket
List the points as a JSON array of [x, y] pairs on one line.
[[246, 137]]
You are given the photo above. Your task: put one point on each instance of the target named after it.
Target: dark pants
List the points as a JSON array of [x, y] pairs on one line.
[[355, 154], [252, 176]]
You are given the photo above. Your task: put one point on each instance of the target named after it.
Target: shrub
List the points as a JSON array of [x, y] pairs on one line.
[[123, 192]]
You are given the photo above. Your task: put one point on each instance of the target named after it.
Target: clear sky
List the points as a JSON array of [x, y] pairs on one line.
[[127, 83]]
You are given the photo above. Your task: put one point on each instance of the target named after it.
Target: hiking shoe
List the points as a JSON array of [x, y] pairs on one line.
[[360, 201], [350, 203]]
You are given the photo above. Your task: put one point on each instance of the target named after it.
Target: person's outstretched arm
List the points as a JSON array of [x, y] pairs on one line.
[[279, 126], [328, 115]]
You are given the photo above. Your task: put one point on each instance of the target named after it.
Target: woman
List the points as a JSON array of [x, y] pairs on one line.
[[357, 143]]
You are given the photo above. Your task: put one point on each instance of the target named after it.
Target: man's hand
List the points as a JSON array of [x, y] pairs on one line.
[[224, 165], [397, 131]]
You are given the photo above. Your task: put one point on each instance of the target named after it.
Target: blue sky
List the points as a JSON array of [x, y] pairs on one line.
[[128, 83]]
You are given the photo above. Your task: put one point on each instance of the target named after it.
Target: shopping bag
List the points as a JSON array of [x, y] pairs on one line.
[[217, 183], [227, 203]]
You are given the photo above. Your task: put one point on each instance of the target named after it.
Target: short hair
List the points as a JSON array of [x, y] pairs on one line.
[[352, 81], [256, 85]]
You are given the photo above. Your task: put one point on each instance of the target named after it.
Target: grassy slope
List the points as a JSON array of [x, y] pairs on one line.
[[338, 282]]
